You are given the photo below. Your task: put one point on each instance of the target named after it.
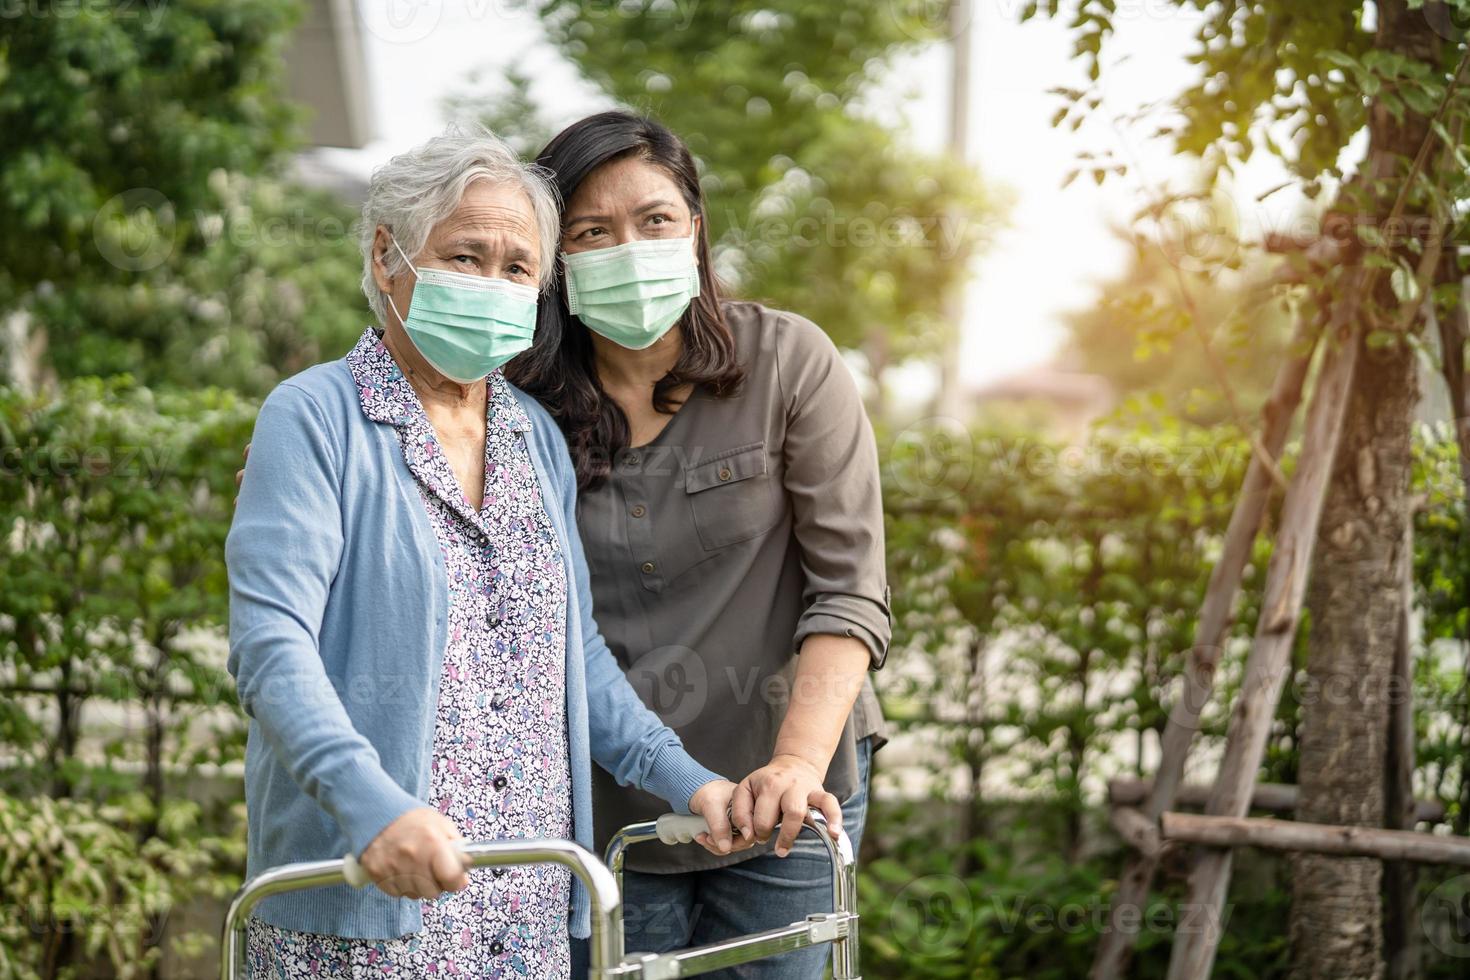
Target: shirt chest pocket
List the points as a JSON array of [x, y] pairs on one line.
[[732, 496]]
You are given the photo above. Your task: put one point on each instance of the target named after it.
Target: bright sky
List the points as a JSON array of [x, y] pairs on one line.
[[1058, 245]]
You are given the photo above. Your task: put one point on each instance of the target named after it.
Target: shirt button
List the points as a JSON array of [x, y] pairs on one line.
[[648, 568], [496, 948], [724, 474], [493, 617], [639, 511], [498, 872], [500, 782], [631, 459]]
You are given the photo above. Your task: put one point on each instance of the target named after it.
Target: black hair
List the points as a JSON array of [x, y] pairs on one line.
[[558, 370]]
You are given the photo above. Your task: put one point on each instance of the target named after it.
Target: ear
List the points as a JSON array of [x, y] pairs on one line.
[[382, 245], [694, 238]]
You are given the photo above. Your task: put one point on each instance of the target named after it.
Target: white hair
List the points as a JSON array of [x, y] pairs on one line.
[[416, 190]]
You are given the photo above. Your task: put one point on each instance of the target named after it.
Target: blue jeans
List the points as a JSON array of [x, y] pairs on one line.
[[664, 912]]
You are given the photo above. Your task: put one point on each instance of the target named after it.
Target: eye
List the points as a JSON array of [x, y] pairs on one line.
[[590, 233], [464, 258], [660, 219], [516, 269]]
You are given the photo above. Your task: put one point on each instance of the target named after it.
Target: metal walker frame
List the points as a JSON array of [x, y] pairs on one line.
[[604, 883]]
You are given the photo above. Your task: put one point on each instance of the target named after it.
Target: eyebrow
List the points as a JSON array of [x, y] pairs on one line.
[[578, 219], [465, 245], [651, 205], [516, 253]]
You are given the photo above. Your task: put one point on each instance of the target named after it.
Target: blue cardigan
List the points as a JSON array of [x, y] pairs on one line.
[[338, 611]]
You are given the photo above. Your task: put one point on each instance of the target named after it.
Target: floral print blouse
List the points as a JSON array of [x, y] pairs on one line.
[[500, 767]]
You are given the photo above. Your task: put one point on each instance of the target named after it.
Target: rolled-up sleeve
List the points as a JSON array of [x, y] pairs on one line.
[[832, 481]]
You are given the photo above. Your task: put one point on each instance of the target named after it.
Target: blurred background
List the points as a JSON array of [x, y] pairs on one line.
[[1062, 246]]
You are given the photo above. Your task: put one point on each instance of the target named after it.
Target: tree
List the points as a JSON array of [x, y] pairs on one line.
[[1140, 336], [1304, 78], [114, 504], [133, 242], [509, 111], [814, 205]]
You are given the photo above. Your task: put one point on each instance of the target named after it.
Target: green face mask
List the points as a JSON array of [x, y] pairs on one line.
[[633, 293], [467, 326]]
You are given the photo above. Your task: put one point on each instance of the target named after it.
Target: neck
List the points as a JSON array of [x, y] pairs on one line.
[[620, 367], [432, 387]]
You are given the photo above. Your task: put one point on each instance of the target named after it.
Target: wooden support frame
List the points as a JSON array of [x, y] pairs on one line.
[[1265, 673], [1116, 943], [1193, 956], [1315, 838], [1274, 797]]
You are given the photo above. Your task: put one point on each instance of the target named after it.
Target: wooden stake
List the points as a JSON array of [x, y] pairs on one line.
[[1314, 838], [1116, 944], [1275, 797], [1265, 673]]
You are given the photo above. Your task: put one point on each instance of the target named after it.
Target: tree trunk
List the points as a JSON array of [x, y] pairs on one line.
[[1355, 594], [1355, 600]]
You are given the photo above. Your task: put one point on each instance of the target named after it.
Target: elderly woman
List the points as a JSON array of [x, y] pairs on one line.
[[410, 617]]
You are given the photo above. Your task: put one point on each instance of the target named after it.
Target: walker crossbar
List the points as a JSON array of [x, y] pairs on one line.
[[604, 886], [838, 927]]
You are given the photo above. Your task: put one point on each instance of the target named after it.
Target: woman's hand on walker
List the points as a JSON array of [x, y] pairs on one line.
[[417, 856], [712, 801], [781, 792]]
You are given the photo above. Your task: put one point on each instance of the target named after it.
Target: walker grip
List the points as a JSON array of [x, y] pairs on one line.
[[357, 876], [678, 828]]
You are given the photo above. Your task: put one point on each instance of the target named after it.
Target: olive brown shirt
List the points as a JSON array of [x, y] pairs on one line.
[[748, 524]]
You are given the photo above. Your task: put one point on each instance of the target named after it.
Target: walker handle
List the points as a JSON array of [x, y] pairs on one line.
[[680, 828], [357, 876]]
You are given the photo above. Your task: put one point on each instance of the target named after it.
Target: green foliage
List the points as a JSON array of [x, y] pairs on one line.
[[1044, 597], [114, 507], [132, 241], [270, 288], [1283, 63], [1142, 336], [1011, 905], [508, 111], [865, 236], [81, 892], [1044, 592], [100, 102]]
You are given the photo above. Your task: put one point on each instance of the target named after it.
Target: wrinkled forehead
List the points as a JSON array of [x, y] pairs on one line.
[[491, 214]]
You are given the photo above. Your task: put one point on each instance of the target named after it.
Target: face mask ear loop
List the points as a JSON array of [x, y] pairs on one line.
[[388, 295], [566, 275]]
